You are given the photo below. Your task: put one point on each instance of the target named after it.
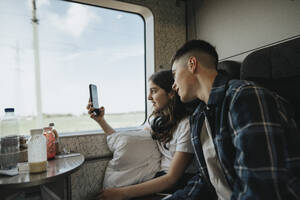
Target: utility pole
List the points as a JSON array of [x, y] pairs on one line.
[[18, 90], [39, 119]]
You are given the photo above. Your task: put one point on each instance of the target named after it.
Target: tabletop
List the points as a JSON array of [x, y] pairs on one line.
[[56, 169]]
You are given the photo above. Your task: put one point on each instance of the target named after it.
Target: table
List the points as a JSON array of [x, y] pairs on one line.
[[57, 169]]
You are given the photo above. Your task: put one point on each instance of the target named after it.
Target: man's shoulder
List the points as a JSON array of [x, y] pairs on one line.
[[239, 84], [244, 88]]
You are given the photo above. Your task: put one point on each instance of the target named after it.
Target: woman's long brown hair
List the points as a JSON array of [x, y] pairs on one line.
[[164, 122]]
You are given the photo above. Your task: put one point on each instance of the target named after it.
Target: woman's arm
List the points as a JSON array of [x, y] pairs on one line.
[[100, 118], [105, 126], [178, 165]]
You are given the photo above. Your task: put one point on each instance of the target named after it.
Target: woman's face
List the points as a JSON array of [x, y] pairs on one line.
[[158, 96]]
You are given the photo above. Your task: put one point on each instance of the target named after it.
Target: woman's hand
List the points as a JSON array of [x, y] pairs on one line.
[[90, 109], [112, 194]]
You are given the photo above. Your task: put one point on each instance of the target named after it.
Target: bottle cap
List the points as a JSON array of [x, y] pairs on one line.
[[9, 110], [51, 124], [36, 131]]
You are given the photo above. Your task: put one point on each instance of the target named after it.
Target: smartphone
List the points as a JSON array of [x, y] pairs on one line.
[[94, 98]]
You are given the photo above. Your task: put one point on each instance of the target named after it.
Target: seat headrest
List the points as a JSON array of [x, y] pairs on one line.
[[279, 61], [231, 68], [278, 69]]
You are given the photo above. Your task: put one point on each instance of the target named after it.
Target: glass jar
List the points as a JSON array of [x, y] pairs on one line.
[[50, 136], [9, 140], [37, 151]]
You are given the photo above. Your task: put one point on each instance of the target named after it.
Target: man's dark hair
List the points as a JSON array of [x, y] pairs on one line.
[[196, 45]]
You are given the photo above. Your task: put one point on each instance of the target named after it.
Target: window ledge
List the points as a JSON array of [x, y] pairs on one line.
[[94, 132]]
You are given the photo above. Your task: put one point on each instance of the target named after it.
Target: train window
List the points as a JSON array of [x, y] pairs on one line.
[[49, 59]]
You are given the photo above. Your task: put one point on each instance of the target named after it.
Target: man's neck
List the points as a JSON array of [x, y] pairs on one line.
[[206, 82]]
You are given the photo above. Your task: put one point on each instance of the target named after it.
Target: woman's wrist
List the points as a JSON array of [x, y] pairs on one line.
[[101, 121]]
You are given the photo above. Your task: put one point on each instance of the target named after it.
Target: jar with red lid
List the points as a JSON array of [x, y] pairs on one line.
[[50, 136]]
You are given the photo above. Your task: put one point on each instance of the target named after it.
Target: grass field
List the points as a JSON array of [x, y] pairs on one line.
[[70, 123]]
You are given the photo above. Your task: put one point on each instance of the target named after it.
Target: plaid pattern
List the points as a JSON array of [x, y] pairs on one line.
[[256, 139]]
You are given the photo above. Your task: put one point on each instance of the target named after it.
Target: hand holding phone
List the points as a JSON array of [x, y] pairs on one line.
[[94, 98]]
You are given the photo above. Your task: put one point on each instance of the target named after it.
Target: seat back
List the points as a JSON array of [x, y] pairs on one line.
[[230, 67], [278, 69]]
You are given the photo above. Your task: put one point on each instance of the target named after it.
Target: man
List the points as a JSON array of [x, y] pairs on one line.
[[245, 140]]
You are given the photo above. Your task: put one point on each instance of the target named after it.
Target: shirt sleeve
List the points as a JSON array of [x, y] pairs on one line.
[[256, 119], [183, 134]]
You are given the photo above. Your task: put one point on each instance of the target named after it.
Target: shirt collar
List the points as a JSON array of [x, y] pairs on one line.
[[216, 96], [199, 109], [218, 90]]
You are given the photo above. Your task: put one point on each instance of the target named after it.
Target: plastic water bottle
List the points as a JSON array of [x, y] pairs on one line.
[[9, 137]]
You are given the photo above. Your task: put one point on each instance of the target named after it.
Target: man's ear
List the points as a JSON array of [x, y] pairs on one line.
[[192, 64]]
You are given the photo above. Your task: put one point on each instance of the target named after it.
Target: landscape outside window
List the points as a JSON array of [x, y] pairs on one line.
[[76, 45]]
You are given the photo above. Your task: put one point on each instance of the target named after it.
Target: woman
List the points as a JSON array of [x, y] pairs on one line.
[[170, 128]]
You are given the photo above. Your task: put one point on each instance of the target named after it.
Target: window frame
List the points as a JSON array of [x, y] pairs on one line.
[[148, 18]]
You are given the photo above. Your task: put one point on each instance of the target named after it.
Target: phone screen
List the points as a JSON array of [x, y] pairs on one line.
[[94, 95]]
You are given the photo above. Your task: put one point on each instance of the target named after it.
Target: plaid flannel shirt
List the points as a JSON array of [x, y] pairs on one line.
[[256, 140]]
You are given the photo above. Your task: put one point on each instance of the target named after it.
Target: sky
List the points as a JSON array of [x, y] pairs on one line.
[[78, 45]]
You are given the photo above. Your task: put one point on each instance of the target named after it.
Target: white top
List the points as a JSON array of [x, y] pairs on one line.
[[181, 142], [215, 172]]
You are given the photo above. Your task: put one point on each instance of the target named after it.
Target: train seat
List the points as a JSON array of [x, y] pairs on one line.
[[278, 69], [230, 67]]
